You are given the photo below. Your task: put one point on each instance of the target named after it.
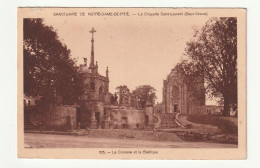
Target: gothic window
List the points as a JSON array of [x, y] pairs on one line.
[[100, 93], [175, 93], [175, 108]]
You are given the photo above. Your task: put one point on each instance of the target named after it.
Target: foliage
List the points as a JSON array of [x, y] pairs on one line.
[[191, 75], [113, 99], [145, 93], [49, 70], [213, 52], [122, 91]]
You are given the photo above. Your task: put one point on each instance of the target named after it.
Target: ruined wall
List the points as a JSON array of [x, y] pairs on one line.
[[60, 114], [122, 117]]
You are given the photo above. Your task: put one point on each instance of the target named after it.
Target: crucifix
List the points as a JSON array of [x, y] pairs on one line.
[[92, 31]]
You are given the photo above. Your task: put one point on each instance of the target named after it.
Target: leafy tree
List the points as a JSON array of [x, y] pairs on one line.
[[113, 99], [49, 70], [145, 93], [213, 52], [191, 76], [122, 91]]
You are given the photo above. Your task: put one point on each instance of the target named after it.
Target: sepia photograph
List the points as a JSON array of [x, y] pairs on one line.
[[143, 83]]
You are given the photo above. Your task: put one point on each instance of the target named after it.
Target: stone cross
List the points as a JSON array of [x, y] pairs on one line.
[[92, 31]]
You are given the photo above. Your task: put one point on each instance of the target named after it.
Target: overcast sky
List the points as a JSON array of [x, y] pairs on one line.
[[137, 50]]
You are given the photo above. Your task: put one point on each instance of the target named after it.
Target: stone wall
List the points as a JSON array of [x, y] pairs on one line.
[[148, 111], [60, 116], [91, 110], [167, 120], [212, 110], [129, 118]]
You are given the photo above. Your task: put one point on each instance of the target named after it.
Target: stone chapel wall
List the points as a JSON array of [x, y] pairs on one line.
[[60, 114]]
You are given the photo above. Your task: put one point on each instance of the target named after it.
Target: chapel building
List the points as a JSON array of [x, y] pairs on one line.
[[93, 104], [181, 97]]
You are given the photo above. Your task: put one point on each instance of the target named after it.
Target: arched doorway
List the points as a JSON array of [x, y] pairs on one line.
[[175, 92]]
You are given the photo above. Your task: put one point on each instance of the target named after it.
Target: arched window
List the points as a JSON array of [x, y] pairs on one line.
[[100, 94], [175, 92]]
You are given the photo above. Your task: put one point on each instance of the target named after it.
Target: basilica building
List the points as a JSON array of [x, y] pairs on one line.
[[181, 97]]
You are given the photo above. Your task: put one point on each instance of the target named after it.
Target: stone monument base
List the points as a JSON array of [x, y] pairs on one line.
[[106, 124]]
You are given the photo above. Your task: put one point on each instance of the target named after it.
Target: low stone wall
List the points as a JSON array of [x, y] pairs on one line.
[[167, 120]]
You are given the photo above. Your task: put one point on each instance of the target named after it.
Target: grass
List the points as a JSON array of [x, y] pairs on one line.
[[224, 125]]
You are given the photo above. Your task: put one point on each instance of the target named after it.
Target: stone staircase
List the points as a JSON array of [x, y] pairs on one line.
[[181, 123]]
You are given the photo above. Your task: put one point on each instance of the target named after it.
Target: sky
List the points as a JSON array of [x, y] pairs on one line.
[[137, 50]]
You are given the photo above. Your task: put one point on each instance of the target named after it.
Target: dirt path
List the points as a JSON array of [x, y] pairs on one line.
[[133, 134], [33, 140]]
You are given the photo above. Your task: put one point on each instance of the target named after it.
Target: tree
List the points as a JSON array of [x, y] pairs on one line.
[[49, 70], [191, 76], [122, 91], [145, 93], [113, 99], [213, 51]]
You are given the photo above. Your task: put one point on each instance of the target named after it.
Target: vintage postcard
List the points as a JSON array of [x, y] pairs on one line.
[[132, 83]]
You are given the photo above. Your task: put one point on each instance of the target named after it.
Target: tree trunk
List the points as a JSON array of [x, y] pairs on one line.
[[226, 105], [50, 113]]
